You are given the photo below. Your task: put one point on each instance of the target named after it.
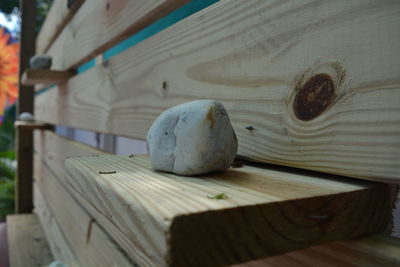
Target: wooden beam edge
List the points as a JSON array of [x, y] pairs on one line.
[[41, 76], [33, 125]]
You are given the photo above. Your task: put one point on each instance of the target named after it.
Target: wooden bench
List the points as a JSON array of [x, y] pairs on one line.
[[314, 170], [27, 243]]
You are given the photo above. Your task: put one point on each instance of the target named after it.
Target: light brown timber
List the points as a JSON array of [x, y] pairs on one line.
[[91, 245], [58, 244], [375, 250], [101, 24], [252, 57], [27, 244], [33, 77], [32, 125], [55, 149], [171, 220], [58, 16]]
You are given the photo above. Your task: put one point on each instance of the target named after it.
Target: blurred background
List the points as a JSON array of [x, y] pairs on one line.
[[9, 59]]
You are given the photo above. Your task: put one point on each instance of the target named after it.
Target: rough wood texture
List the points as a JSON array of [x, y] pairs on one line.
[[376, 250], [58, 16], [55, 237], [100, 24], [32, 77], [91, 245], [26, 241], [55, 149], [258, 58], [171, 220]]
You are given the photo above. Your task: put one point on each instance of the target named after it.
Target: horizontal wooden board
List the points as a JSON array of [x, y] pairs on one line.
[[100, 24], [373, 251], [54, 235], [39, 76], [32, 125], [58, 16], [170, 220], [255, 57], [27, 244], [55, 149], [90, 244]]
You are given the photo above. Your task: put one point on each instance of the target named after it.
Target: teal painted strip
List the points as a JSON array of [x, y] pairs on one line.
[[88, 65], [163, 23]]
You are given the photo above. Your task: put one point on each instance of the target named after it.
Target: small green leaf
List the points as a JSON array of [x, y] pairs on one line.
[[219, 196]]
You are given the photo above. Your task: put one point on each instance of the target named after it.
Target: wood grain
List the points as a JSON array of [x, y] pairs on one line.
[[54, 235], [55, 149], [58, 16], [101, 24], [175, 221], [26, 241], [90, 244], [255, 57], [32, 76], [375, 250]]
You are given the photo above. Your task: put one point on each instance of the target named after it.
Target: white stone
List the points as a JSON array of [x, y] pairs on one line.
[[193, 138], [40, 62], [57, 264], [26, 116]]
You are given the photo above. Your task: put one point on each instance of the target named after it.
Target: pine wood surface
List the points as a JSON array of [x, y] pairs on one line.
[[261, 59], [27, 244], [91, 245], [177, 221], [55, 237], [100, 24], [371, 251], [57, 17], [33, 77], [54, 149]]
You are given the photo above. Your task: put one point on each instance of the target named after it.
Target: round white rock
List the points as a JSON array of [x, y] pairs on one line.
[[40, 62], [26, 116], [193, 138]]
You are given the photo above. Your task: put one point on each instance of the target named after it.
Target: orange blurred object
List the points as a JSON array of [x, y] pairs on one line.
[[9, 65]]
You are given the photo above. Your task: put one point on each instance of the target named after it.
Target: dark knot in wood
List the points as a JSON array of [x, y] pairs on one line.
[[314, 97]]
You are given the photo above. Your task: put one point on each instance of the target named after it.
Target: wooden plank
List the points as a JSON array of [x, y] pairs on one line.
[[55, 149], [173, 220], [381, 251], [90, 244], [26, 241], [251, 57], [32, 125], [99, 25], [58, 16], [24, 146], [32, 77], [54, 235]]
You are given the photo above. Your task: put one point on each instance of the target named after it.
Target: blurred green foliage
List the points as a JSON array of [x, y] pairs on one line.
[[42, 7], [7, 163]]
